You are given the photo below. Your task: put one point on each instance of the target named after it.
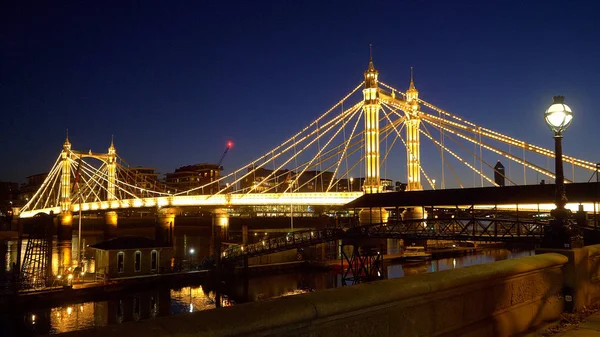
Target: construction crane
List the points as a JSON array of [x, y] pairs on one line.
[[229, 146]]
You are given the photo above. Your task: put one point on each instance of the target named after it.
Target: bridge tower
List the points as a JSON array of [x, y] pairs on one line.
[[66, 217], [413, 151], [111, 217], [371, 109]]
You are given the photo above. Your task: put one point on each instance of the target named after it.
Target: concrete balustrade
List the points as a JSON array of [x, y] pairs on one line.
[[495, 299]]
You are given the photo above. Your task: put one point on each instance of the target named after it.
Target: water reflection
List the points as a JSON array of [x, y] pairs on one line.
[[164, 301], [486, 256]]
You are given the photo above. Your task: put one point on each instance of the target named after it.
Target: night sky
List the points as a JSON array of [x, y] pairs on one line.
[[173, 81]]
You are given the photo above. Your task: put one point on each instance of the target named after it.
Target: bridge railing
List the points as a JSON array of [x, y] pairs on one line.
[[458, 228], [292, 240]]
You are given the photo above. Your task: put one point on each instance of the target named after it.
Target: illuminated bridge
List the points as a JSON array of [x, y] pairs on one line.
[[352, 142]]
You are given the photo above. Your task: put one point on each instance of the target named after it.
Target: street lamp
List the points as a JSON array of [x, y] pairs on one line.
[[351, 184], [560, 233], [192, 251]]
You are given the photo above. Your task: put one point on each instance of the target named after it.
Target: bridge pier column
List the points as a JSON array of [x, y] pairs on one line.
[[110, 224], [377, 216], [65, 257], [221, 219], [373, 216], [415, 213], [165, 225], [65, 226]]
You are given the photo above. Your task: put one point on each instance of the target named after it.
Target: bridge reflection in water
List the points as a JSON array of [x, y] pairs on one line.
[[164, 301]]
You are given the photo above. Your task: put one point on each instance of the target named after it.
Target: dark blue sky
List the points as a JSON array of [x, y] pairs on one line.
[[173, 81]]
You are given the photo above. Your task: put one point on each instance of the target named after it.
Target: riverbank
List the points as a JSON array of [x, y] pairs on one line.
[[90, 290]]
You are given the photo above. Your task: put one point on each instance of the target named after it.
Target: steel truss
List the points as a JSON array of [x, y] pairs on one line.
[[361, 263], [459, 228], [293, 240], [36, 262]]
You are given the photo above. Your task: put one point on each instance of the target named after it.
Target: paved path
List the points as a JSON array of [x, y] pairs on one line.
[[590, 327]]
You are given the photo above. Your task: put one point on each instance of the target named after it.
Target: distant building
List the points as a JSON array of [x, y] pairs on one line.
[[499, 175], [144, 177], [357, 184], [191, 176], [262, 180], [9, 191], [34, 182], [314, 181], [129, 256], [276, 181]]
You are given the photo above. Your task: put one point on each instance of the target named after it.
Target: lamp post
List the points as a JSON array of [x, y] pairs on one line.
[[351, 184], [560, 233], [192, 251]]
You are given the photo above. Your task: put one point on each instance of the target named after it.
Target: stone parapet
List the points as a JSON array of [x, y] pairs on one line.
[[495, 299], [582, 274]]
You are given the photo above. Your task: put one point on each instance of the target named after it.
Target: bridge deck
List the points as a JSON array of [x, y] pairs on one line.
[[527, 197]]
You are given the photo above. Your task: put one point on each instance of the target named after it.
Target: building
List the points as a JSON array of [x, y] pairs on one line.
[[356, 185], [144, 177], [263, 180], [129, 256], [191, 176], [314, 181], [499, 174], [34, 182]]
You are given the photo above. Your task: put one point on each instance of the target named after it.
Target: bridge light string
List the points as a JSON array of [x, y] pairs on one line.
[[51, 180], [90, 173], [52, 190], [125, 171], [262, 158], [457, 179], [252, 164], [359, 142], [385, 157], [293, 139], [344, 122], [329, 128], [475, 156], [298, 188], [493, 149], [460, 159], [95, 189], [329, 156], [506, 139], [307, 165], [444, 161], [36, 196], [408, 148], [464, 148], [91, 189], [343, 155], [503, 138], [296, 153]]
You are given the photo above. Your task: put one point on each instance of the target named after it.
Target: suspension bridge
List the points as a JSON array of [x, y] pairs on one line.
[[354, 138]]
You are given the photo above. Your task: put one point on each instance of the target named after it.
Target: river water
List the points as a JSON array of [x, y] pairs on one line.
[[164, 301]]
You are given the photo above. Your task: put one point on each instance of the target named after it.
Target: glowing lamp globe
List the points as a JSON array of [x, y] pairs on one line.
[[559, 115]]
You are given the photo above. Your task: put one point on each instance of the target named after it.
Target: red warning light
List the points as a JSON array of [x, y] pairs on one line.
[[229, 144]]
